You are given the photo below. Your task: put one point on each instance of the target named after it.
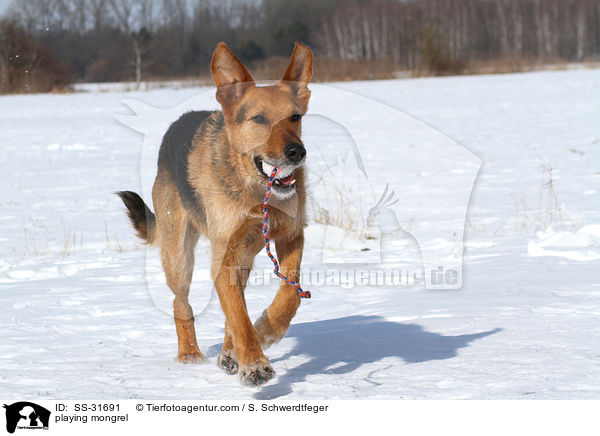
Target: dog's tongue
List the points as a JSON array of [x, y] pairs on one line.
[[286, 181]]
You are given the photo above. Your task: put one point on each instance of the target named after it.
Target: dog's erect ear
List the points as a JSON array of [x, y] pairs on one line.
[[300, 67], [230, 75]]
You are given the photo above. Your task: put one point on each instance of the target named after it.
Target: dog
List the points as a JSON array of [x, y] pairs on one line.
[[212, 173]]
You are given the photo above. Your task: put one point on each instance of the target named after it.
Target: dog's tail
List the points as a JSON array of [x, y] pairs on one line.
[[142, 218]]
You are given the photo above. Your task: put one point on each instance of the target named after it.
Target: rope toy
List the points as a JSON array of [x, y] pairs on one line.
[[303, 294]]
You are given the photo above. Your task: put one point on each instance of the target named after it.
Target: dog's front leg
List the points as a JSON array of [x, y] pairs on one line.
[[228, 275], [275, 320]]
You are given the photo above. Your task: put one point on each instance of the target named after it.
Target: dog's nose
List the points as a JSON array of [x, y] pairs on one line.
[[294, 152]]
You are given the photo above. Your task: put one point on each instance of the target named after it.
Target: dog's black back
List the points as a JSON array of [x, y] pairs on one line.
[[173, 155]]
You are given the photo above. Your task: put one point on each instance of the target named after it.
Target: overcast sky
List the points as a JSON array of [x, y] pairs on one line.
[[4, 5]]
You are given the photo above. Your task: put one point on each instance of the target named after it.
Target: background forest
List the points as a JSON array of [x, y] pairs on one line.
[[50, 44]]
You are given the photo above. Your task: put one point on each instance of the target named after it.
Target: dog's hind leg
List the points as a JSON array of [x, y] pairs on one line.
[[227, 360], [177, 254], [177, 238], [275, 320]]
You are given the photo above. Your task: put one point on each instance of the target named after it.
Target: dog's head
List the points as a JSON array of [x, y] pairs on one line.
[[264, 123]]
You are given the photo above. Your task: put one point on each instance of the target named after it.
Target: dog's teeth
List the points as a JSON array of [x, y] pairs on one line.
[[267, 169], [292, 182]]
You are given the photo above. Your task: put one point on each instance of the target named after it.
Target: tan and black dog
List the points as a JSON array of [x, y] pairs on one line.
[[212, 174]]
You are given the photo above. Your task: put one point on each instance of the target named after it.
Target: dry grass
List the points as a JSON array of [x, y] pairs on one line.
[[347, 213], [112, 241], [549, 212], [32, 246], [327, 69], [338, 70], [347, 197], [72, 241], [505, 64], [39, 240]]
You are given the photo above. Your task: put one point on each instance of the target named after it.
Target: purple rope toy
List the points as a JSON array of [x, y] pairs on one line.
[[303, 294]]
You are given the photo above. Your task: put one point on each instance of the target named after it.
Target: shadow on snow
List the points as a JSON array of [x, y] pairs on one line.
[[352, 341]]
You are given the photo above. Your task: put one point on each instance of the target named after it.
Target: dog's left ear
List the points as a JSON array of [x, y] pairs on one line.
[[300, 67]]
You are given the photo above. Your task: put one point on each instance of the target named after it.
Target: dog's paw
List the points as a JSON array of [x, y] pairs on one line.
[[227, 362], [256, 374], [191, 358]]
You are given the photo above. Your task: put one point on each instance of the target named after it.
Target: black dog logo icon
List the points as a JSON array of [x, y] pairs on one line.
[[26, 415]]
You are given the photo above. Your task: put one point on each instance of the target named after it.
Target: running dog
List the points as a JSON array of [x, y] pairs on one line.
[[212, 172]]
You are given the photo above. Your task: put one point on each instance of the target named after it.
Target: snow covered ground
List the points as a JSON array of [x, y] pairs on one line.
[[79, 319]]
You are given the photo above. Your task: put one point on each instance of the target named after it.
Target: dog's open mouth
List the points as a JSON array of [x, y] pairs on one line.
[[284, 181]]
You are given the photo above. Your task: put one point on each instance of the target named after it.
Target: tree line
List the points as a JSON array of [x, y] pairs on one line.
[[51, 43]]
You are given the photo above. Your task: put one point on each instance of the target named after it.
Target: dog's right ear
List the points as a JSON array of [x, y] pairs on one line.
[[301, 64], [230, 75]]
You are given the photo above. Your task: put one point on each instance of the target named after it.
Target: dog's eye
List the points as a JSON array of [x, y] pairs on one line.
[[259, 119], [295, 117]]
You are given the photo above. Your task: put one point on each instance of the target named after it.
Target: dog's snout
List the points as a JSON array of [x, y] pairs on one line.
[[294, 152]]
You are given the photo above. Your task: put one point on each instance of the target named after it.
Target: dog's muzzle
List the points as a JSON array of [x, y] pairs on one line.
[[285, 181]]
